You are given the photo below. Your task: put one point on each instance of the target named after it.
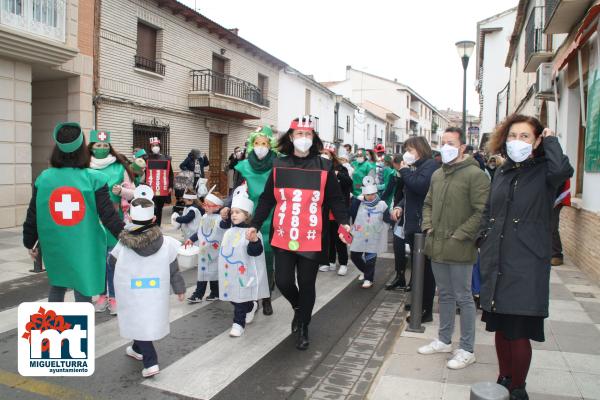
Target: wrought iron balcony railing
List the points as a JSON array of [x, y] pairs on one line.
[[149, 65], [207, 80]]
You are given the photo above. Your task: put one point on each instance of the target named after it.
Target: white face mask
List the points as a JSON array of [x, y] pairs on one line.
[[449, 153], [409, 158], [302, 144], [261, 152], [155, 149], [360, 160], [518, 150]]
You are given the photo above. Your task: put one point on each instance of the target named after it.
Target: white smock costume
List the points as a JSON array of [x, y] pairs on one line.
[[369, 232]]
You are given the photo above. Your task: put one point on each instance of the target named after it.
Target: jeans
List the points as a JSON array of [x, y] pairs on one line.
[[476, 278], [110, 276], [147, 350], [454, 285], [57, 294], [336, 245], [239, 312], [365, 264], [292, 267]]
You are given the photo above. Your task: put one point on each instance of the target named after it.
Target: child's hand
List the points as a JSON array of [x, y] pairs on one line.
[[181, 296], [225, 213], [251, 235], [188, 243]]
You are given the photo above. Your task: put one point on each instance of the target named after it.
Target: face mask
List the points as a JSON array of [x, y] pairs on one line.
[[492, 166], [409, 158], [238, 154], [518, 150], [449, 153], [302, 144], [261, 152], [101, 153], [155, 149], [360, 160]]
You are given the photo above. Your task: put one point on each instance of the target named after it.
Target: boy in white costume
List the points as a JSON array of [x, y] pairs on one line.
[[242, 266], [189, 220], [370, 216], [145, 265], [208, 238]]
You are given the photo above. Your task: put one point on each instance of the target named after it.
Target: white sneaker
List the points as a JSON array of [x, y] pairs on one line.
[[133, 354], [436, 346], [367, 284], [332, 267], [150, 371], [250, 315], [343, 270], [236, 330], [324, 268], [361, 277], [461, 359]]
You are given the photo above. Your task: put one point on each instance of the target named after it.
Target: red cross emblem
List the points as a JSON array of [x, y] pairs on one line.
[[67, 206], [242, 270], [102, 136]]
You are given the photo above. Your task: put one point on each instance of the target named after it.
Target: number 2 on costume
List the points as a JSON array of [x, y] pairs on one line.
[[297, 196]]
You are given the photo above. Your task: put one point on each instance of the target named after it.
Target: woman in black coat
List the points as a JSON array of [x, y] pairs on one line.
[[300, 191], [195, 162], [416, 171], [516, 242]]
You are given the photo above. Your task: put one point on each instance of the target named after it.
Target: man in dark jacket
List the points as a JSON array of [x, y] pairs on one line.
[[195, 163]]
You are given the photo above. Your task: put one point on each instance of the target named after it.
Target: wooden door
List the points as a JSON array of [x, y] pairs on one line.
[[218, 67], [216, 173]]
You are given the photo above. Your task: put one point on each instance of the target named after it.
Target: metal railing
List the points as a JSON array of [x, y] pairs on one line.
[[551, 6], [46, 18], [534, 33], [207, 80], [149, 65]]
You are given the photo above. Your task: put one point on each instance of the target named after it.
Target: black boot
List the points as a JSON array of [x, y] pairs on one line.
[[267, 307], [426, 317], [519, 394], [296, 320], [302, 342], [504, 381], [398, 283]]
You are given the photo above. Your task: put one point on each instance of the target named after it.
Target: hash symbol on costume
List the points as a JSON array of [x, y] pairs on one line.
[[311, 235], [280, 231]]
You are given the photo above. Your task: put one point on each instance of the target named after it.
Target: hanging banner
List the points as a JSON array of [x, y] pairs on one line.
[[157, 176]]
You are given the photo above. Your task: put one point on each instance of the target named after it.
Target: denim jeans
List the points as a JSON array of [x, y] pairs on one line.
[[454, 285]]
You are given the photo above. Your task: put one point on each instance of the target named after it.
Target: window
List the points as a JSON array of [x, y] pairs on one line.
[[13, 6], [368, 131], [407, 101], [307, 101], [145, 57], [263, 85], [143, 132], [347, 123], [46, 12]]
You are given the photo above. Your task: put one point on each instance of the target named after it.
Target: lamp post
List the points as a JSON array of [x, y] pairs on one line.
[[465, 49]]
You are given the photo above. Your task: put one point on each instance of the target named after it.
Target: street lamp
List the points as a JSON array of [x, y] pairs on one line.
[[465, 49]]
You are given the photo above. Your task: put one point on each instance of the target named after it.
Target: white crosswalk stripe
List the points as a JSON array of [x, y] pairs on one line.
[[209, 369]]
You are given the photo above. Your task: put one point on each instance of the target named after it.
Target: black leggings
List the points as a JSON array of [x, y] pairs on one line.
[[290, 265], [335, 244]]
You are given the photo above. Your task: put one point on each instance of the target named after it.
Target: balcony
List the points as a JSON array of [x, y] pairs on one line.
[[561, 15], [149, 65], [537, 48], [225, 94], [414, 115]]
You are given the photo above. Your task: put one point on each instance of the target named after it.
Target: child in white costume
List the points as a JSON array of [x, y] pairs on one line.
[[189, 220], [242, 267], [370, 216], [209, 238], [145, 265]]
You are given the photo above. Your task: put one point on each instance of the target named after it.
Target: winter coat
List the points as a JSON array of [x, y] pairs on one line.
[[452, 212], [189, 164], [416, 185], [516, 235]]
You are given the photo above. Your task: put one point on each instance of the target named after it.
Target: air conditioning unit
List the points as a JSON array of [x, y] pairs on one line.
[[544, 81]]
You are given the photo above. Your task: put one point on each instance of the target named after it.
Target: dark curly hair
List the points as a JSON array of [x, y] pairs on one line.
[[497, 142]]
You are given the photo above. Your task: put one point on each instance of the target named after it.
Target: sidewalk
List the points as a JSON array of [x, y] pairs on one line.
[[566, 366], [15, 262]]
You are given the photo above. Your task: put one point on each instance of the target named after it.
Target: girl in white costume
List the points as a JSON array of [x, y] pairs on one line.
[[370, 216], [189, 220], [242, 267], [145, 265], [208, 238]]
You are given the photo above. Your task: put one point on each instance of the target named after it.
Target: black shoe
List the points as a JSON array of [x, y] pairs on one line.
[[302, 342], [267, 307], [212, 297], [194, 298], [398, 283], [426, 317], [407, 307], [477, 301], [504, 381], [519, 394], [408, 288], [295, 321]]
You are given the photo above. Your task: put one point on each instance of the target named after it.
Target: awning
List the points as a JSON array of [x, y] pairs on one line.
[[587, 28]]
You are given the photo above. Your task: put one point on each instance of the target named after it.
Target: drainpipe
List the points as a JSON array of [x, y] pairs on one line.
[[96, 63]]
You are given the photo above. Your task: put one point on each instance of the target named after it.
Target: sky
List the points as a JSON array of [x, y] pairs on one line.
[[411, 40]]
